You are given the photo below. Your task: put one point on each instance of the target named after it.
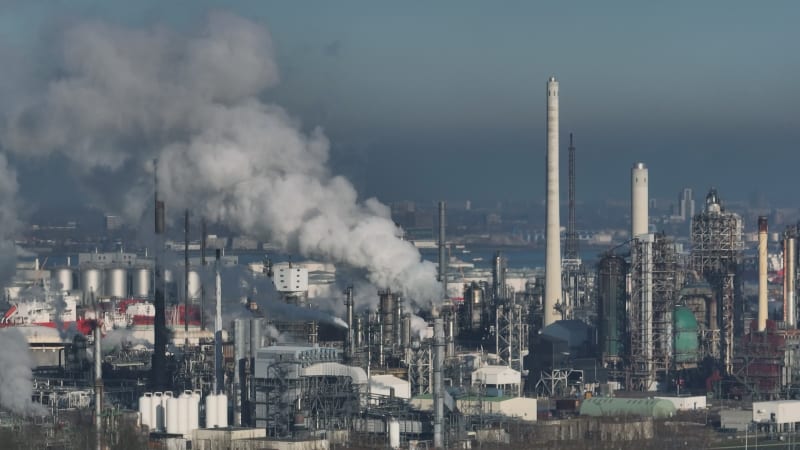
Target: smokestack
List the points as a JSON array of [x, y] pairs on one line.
[[571, 252], [98, 380], [348, 302], [158, 375], [762, 273], [639, 200], [499, 276], [789, 278], [438, 386], [552, 287], [442, 250], [219, 376]]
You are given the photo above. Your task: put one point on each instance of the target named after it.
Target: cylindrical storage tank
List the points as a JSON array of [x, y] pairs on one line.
[[116, 282], [394, 433], [185, 401], [194, 411], [222, 411], [145, 409], [686, 337], [195, 285], [156, 412], [63, 279], [141, 282], [91, 283], [387, 304], [173, 414], [211, 411], [612, 296]]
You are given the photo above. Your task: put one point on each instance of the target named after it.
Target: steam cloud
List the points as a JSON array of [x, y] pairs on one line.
[[128, 96], [16, 379]]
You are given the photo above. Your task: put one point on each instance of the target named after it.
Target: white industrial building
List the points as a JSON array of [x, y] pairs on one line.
[[390, 386], [783, 413], [497, 379]]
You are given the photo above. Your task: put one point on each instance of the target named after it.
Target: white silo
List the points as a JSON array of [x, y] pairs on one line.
[[145, 409], [116, 282], [639, 200], [211, 411], [174, 415], [63, 279], [156, 412], [194, 412], [394, 433], [141, 282], [91, 283], [195, 284], [222, 411], [186, 402]]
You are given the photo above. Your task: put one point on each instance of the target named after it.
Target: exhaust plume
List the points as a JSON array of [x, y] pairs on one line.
[[126, 96], [16, 379]]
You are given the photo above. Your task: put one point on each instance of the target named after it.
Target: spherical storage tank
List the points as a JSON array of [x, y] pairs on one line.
[[116, 282], [145, 409], [62, 279], [141, 282], [91, 283]]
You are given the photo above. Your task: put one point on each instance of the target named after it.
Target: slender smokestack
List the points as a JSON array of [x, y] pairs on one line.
[[552, 287], [639, 200], [438, 385], [442, 250], [762, 273], [788, 277], [348, 302], [158, 374], [571, 252], [219, 377], [98, 381]]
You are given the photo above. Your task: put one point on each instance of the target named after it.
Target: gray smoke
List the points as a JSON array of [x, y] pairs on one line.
[[16, 379], [125, 97]]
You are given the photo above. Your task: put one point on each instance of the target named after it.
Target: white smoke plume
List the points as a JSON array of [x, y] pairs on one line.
[[16, 378], [125, 97], [119, 339]]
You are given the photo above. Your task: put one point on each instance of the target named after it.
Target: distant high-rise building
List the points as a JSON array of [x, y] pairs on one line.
[[686, 204]]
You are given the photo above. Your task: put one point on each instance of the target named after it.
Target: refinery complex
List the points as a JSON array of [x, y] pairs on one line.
[[182, 346]]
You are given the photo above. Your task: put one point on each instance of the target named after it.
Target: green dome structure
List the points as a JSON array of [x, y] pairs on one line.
[[640, 407]]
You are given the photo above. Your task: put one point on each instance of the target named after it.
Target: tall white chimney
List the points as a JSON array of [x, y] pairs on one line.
[[762, 273], [552, 286], [639, 200]]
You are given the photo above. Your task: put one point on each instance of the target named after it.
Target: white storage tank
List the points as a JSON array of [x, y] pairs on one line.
[[174, 415], [91, 283], [185, 406], [141, 282], [211, 411], [194, 412], [116, 282], [394, 433], [145, 409], [62, 279], [222, 411]]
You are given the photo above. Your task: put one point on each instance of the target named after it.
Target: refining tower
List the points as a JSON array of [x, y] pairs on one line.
[[552, 287]]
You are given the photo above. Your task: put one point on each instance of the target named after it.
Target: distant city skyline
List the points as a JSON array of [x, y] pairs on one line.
[[446, 100]]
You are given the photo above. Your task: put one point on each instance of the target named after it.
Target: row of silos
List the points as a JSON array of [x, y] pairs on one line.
[[115, 282], [162, 411]]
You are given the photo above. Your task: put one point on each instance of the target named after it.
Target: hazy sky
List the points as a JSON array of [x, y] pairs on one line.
[[427, 100]]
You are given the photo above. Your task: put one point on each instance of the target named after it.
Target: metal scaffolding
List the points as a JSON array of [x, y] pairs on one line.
[[640, 374], [716, 257], [420, 373], [511, 333]]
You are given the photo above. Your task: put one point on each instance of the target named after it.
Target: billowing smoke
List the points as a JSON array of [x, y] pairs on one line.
[[124, 97], [16, 379], [119, 339]]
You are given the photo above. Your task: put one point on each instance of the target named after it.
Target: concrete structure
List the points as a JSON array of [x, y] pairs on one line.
[[735, 419], [552, 287], [389, 385], [762, 273], [500, 377], [639, 200], [231, 438], [777, 412]]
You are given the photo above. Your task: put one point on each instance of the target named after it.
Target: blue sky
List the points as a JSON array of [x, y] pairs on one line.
[[427, 100]]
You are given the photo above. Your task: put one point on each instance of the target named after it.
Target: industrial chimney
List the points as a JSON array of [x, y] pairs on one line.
[[552, 287], [442, 249], [789, 277], [639, 200], [762, 273]]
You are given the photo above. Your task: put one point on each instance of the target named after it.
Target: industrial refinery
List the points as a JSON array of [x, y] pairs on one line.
[[242, 294]]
